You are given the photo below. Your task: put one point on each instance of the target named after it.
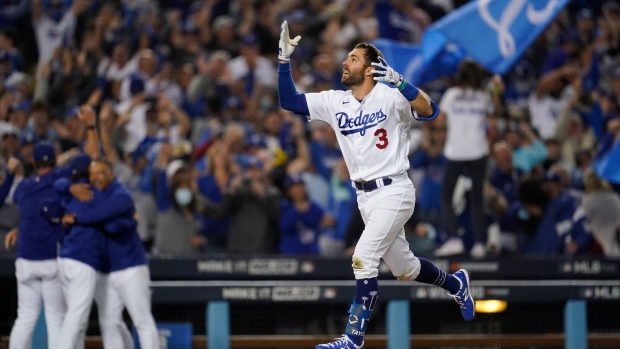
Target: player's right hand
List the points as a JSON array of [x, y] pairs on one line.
[[287, 45]]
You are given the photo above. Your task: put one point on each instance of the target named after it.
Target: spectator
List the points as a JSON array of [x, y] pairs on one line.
[[431, 161], [178, 227], [602, 208], [551, 221], [250, 68], [41, 125], [213, 184], [551, 96], [528, 150], [301, 220], [342, 207], [253, 206], [466, 108]]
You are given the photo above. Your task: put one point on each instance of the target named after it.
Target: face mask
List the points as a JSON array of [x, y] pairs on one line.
[[183, 196]]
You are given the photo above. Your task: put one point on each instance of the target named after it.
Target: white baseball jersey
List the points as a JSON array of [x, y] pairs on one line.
[[373, 134]]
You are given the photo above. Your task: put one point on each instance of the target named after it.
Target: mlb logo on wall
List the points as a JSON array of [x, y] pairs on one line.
[[171, 336]]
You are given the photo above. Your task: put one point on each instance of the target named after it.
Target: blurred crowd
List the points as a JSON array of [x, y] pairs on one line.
[[188, 114]]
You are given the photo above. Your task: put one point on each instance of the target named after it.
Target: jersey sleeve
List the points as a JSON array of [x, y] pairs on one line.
[[318, 105]]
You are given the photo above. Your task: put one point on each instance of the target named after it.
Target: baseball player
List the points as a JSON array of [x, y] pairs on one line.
[[82, 251], [36, 267], [128, 278], [371, 121]]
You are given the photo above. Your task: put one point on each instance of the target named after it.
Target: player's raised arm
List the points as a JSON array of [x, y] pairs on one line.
[[419, 100], [290, 99]]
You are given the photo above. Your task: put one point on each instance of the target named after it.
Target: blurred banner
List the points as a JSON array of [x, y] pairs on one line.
[[495, 33]]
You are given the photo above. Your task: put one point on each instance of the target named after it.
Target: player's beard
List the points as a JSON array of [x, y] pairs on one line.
[[355, 77]]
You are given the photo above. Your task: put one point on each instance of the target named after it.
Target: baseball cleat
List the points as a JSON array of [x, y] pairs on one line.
[[463, 297], [343, 342]]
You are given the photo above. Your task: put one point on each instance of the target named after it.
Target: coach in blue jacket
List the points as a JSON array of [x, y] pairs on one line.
[[36, 267]]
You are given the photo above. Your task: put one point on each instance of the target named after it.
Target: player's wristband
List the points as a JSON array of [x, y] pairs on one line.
[[284, 67], [91, 127], [409, 91]]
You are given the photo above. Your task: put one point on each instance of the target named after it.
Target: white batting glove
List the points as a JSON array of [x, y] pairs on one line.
[[385, 73], [287, 46]]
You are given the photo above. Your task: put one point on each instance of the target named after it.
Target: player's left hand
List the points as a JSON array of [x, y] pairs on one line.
[[386, 73]]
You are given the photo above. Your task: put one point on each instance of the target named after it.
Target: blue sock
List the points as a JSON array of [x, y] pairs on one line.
[[366, 295], [430, 274], [367, 292]]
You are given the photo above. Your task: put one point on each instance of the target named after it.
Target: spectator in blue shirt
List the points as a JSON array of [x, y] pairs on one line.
[[300, 220]]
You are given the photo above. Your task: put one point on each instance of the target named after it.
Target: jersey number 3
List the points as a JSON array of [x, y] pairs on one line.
[[383, 141]]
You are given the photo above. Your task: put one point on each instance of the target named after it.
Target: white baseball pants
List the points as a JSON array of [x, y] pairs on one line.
[[132, 286], [114, 332], [79, 281], [385, 212], [37, 281]]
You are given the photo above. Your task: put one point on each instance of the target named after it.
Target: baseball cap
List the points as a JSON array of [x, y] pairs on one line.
[[254, 162], [585, 13], [28, 138], [256, 140], [173, 167], [249, 39], [552, 176], [44, 151], [222, 21], [72, 112], [20, 106], [292, 180], [9, 130], [79, 163]]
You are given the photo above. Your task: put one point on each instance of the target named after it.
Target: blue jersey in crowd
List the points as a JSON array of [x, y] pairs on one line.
[[299, 231], [38, 237], [563, 221], [324, 158], [430, 187], [124, 249]]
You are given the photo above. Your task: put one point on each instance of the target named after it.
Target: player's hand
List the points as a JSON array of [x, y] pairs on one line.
[[81, 191], [13, 164], [10, 238], [287, 45], [385, 73], [87, 115], [68, 219]]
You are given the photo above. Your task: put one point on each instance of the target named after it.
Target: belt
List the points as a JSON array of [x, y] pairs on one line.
[[372, 185]]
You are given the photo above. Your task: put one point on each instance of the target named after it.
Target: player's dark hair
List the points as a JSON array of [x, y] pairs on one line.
[[530, 192], [470, 75], [106, 162], [372, 53]]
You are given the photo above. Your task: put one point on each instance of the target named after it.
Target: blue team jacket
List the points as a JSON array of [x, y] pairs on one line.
[[87, 243], [38, 237], [124, 249]]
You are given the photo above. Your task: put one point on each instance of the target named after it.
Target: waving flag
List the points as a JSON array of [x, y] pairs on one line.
[[495, 33]]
